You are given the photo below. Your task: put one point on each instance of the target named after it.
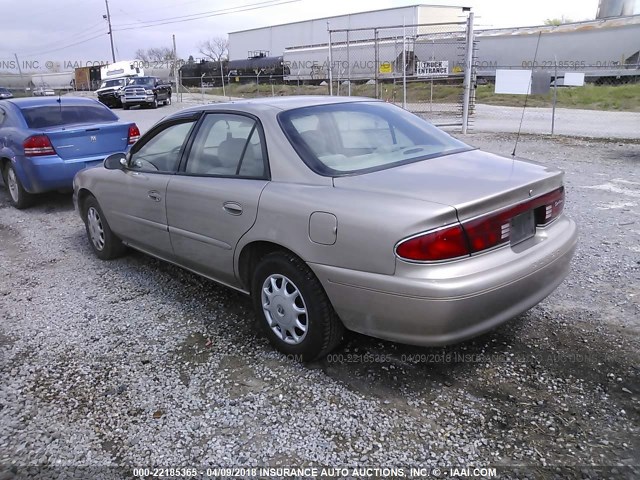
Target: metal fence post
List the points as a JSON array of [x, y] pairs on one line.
[[377, 60], [404, 66], [224, 94], [468, 65], [330, 63], [348, 65]]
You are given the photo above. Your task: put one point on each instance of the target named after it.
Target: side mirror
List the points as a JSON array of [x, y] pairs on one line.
[[115, 161]]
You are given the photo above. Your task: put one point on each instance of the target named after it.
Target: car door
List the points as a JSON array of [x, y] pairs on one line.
[[213, 200], [136, 202]]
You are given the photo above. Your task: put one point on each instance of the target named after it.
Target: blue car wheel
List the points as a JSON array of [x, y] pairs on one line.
[[18, 196]]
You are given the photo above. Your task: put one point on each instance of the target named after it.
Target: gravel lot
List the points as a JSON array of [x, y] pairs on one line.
[[138, 363]]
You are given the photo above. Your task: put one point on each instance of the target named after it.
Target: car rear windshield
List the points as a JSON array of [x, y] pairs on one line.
[[46, 116], [4, 90], [359, 137]]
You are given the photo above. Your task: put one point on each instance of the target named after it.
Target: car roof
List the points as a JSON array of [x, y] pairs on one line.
[[28, 102], [255, 105]]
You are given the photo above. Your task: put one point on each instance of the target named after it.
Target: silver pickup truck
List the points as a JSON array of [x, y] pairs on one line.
[[145, 91]]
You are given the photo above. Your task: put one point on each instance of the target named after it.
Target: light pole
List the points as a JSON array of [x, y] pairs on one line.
[[107, 17]]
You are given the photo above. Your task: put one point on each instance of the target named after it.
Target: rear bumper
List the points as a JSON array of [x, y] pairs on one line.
[[447, 303], [47, 173]]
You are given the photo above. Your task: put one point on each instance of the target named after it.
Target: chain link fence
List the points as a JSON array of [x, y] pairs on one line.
[[419, 67]]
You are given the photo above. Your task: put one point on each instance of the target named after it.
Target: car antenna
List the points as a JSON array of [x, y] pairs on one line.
[[526, 97]]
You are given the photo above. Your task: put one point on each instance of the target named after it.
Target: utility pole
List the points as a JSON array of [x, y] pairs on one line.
[[175, 66], [18, 64], [107, 17]]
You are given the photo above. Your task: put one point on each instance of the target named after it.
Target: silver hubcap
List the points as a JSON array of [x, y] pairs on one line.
[[12, 183], [284, 309], [95, 228]]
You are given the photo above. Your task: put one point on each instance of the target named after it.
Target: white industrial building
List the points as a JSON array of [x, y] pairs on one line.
[[275, 39]]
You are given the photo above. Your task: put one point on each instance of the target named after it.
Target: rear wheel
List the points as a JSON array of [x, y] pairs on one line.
[[125, 106], [293, 308], [18, 196], [105, 244]]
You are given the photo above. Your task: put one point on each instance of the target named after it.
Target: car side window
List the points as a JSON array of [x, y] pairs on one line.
[[3, 117], [161, 153], [227, 145]]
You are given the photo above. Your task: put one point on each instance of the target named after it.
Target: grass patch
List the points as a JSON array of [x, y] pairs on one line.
[[590, 97]]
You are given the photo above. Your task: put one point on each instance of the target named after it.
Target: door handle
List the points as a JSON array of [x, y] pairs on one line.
[[155, 196], [233, 208]]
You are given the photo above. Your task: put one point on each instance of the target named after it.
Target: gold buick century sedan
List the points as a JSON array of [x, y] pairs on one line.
[[336, 213]]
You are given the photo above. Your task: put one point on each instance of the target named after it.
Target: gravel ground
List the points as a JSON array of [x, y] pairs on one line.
[[138, 363]]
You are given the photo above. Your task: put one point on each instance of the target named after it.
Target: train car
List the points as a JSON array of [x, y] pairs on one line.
[[253, 69], [427, 55], [87, 78], [604, 49], [57, 81]]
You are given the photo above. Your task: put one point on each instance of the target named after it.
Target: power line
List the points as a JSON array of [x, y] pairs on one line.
[[66, 46], [173, 6], [200, 16], [80, 33], [262, 4], [211, 13]]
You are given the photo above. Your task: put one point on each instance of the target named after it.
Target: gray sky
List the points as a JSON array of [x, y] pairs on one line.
[[40, 30]]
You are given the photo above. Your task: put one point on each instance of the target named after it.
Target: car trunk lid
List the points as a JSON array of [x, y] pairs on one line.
[[77, 141], [472, 182]]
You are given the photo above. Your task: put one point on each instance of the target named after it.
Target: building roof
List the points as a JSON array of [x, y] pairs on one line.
[[348, 14]]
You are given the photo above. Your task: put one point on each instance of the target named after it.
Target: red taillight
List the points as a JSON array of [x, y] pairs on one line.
[[488, 231], [443, 244], [480, 233], [134, 134], [551, 206], [37, 146]]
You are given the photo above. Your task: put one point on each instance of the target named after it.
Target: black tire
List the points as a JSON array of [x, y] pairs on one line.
[[125, 106], [324, 329], [112, 247], [18, 196], [155, 102]]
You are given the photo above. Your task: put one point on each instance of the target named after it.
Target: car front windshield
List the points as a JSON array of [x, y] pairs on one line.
[[111, 83], [141, 81], [358, 137]]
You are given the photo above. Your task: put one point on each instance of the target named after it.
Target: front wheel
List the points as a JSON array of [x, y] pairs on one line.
[[292, 307], [19, 197], [154, 104], [125, 106], [105, 244]]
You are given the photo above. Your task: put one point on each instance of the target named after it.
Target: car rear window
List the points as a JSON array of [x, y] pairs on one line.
[[359, 137], [55, 115]]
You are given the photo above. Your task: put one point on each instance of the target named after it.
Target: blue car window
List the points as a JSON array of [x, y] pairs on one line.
[[55, 115]]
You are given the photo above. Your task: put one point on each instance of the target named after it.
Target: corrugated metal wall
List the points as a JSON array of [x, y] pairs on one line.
[[314, 32]]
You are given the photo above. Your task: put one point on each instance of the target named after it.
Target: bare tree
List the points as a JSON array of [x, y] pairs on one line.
[[216, 49], [557, 21], [141, 54], [155, 54]]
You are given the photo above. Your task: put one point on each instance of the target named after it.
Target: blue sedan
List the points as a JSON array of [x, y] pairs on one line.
[[44, 142]]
